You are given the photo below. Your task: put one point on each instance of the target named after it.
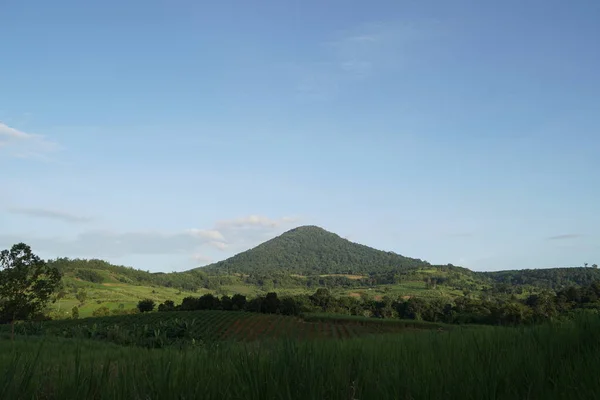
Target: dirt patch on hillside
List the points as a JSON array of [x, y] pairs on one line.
[[353, 277]]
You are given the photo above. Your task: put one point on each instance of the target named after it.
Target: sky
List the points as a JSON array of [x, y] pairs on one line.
[[166, 135]]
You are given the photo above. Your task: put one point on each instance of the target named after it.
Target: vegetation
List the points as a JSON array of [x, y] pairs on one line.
[[26, 283], [146, 305], [310, 250], [299, 262], [195, 328], [277, 344], [549, 278], [554, 361], [498, 310]]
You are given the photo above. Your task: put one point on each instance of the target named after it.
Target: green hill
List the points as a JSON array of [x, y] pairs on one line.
[[310, 250], [300, 261]]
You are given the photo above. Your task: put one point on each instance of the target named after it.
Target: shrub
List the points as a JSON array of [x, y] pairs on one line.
[[146, 305]]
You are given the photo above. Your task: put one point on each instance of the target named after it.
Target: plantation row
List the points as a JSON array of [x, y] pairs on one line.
[[155, 330]]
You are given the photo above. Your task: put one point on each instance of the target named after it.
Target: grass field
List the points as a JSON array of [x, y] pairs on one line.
[[559, 361], [113, 293]]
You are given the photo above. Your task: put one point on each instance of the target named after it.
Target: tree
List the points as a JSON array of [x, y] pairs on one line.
[[81, 296], [271, 303], [289, 306], [208, 302], [75, 312], [146, 305], [322, 298], [238, 302], [26, 283], [226, 303], [595, 266], [168, 305]]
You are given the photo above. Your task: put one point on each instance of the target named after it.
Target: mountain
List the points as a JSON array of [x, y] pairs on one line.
[[301, 260], [311, 250]]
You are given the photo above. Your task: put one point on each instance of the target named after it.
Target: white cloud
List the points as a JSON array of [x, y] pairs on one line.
[[9, 132], [202, 259], [206, 234], [25, 145], [113, 244], [229, 235], [49, 213], [254, 221], [218, 245]]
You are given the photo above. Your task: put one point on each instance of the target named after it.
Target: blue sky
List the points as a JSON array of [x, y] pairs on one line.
[[168, 134]]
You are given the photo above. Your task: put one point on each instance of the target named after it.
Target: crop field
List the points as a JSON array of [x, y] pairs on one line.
[[553, 361], [161, 329]]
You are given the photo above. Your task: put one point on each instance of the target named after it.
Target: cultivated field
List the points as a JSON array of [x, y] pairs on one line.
[[557, 361], [160, 329]]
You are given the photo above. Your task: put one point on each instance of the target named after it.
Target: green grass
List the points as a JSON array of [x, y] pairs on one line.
[[112, 292], [543, 362]]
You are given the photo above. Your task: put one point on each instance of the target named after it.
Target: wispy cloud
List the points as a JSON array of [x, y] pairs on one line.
[[95, 243], [201, 259], [359, 53], [254, 221], [49, 213], [218, 245], [565, 236], [210, 234], [25, 145], [460, 235]]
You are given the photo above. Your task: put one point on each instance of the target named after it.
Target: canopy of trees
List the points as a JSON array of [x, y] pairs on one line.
[[310, 250], [26, 283], [498, 310], [550, 278]]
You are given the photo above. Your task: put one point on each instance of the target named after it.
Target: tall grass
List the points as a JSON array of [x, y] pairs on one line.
[[542, 362]]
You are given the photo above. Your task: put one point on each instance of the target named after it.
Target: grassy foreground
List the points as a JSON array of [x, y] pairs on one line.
[[543, 362]]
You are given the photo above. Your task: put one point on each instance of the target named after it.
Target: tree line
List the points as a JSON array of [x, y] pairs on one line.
[[502, 310]]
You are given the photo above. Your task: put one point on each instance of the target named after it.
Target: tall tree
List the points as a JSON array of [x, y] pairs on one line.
[[26, 283]]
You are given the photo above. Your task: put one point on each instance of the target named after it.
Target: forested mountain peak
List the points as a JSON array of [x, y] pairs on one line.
[[310, 250]]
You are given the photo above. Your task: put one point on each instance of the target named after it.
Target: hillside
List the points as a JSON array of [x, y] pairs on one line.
[[310, 250], [300, 261], [549, 278]]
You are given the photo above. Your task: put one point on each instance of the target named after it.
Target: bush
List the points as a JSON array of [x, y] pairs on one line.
[[146, 305]]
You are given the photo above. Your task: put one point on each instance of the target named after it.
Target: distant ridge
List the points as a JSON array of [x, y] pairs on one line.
[[310, 250]]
